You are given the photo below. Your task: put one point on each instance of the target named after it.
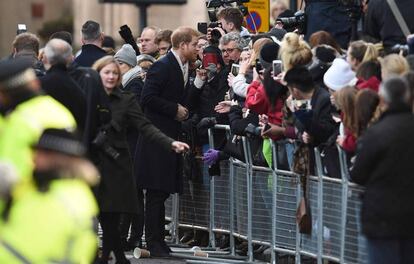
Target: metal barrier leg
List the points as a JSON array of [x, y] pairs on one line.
[[249, 170], [298, 235], [175, 215], [212, 239], [231, 208], [212, 211], [274, 212], [320, 205], [344, 174]]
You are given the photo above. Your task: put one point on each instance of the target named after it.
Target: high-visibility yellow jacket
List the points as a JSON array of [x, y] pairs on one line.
[[51, 227], [23, 126]]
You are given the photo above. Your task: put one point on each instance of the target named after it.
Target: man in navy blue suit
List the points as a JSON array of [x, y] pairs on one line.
[[166, 100]]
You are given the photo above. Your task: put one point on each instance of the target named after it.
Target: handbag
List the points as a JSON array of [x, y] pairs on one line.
[[301, 166], [304, 217]]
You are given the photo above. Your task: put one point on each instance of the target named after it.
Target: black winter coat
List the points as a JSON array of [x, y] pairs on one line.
[[117, 190], [97, 102], [384, 165], [381, 24], [90, 53], [61, 86], [207, 98], [158, 169], [321, 125]]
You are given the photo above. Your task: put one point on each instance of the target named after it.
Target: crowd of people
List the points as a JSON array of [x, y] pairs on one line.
[[99, 135]]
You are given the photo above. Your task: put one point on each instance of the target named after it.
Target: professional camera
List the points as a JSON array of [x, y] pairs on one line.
[[101, 142], [212, 8], [204, 26], [298, 21]]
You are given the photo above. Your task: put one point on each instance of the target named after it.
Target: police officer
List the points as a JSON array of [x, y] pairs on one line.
[[26, 114], [53, 223]]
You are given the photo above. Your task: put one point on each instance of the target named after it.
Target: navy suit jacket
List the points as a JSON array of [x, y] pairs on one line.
[[156, 168]]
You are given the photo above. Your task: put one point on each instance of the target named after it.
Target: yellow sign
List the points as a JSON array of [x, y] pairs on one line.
[[258, 19]]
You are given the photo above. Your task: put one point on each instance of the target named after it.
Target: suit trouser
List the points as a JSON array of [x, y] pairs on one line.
[[155, 217]]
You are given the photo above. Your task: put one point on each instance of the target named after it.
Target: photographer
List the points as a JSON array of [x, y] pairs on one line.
[[231, 19], [380, 22], [331, 16]]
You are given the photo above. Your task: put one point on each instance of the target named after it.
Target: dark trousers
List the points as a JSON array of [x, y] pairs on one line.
[[111, 236], [396, 251], [331, 17], [136, 221], [155, 219]]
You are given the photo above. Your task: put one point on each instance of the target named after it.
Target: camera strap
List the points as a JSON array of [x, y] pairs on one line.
[[398, 16]]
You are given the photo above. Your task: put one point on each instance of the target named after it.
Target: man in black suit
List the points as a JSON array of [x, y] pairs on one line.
[[166, 101], [92, 39]]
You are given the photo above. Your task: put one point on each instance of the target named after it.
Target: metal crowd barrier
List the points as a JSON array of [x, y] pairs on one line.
[[258, 205]]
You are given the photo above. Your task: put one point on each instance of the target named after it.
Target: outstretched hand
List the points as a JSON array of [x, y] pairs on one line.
[[179, 147]]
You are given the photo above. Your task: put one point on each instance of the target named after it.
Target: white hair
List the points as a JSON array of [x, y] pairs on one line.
[[58, 51]]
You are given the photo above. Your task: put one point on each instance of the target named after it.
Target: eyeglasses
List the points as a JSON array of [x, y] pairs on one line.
[[227, 50]]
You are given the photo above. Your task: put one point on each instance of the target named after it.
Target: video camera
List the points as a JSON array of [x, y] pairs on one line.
[[212, 8], [296, 22]]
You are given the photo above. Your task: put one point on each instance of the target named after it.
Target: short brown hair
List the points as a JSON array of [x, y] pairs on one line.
[[26, 42], [163, 35], [102, 62], [183, 34], [233, 15]]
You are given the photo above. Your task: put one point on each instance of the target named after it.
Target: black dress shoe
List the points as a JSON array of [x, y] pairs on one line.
[[132, 244], [125, 261], [166, 247], [157, 250]]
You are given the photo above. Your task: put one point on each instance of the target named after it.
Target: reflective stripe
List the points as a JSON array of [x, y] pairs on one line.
[[14, 252]]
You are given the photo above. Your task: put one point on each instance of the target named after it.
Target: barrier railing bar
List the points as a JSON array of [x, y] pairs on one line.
[[208, 260], [284, 251], [334, 259], [320, 205], [194, 226], [308, 254]]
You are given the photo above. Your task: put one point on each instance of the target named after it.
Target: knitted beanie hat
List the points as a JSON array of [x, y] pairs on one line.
[[268, 54], [127, 55]]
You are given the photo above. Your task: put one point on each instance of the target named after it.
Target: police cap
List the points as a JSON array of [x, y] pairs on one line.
[[61, 141]]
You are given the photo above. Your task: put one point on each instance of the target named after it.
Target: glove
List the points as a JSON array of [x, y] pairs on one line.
[[126, 33], [206, 122], [211, 156]]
